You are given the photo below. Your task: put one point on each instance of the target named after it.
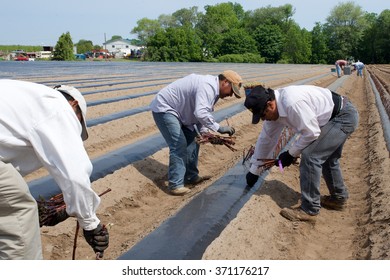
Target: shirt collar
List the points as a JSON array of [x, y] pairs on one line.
[[279, 104]]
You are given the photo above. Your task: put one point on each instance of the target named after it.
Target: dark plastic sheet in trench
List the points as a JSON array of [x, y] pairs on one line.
[[193, 228]]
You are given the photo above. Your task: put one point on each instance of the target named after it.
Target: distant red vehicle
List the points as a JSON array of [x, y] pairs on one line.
[[21, 58]]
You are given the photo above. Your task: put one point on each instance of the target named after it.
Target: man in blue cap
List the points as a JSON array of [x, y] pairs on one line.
[[324, 120]]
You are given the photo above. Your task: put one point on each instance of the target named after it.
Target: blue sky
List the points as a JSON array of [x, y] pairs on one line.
[[41, 22]]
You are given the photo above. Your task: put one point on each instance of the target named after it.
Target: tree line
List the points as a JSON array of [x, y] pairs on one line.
[[227, 33]]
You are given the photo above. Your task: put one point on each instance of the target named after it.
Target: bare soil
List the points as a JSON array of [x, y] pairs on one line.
[[139, 202]]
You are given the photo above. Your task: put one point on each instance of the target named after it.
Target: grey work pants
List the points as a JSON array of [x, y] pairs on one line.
[[20, 237], [323, 156]]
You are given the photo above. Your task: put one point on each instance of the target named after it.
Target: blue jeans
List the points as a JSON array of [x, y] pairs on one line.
[[322, 156], [360, 71], [183, 149], [338, 70]]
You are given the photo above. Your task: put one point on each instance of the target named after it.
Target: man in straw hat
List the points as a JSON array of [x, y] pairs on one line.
[[42, 126], [323, 120], [183, 108]]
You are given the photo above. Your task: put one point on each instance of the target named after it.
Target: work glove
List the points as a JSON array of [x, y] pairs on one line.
[[97, 238], [251, 179], [226, 130], [285, 158]]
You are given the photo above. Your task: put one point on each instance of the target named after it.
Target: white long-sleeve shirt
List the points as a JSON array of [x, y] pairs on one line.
[[191, 99], [304, 109], [38, 127]]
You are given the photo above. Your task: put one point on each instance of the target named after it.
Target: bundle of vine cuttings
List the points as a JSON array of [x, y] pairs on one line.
[[214, 139], [51, 211], [265, 163]]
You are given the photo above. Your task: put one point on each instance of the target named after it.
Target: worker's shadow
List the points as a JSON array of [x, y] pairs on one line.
[[154, 170], [281, 193]]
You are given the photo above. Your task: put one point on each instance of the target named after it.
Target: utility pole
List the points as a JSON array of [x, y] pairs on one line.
[[105, 45]]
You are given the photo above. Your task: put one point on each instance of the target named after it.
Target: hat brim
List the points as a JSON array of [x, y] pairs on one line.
[[76, 95], [256, 118], [236, 91]]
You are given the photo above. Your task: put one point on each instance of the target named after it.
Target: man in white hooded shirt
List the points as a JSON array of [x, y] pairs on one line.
[[41, 126]]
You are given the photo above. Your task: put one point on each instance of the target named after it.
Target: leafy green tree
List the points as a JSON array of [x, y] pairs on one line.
[[84, 46], [345, 27], [187, 17], [166, 21], [269, 27], [367, 49], [238, 10], [174, 44], [383, 37], [157, 48], [297, 47], [225, 32], [241, 58], [280, 16], [64, 48], [217, 20], [237, 41], [145, 29], [115, 37], [319, 48], [136, 42], [270, 40]]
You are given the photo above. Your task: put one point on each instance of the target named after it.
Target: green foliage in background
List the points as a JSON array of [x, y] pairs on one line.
[[64, 48], [242, 58], [10, 48], [227, 33], [84, 46]]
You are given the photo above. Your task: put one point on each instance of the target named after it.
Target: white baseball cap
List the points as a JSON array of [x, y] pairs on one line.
[[76, 94]]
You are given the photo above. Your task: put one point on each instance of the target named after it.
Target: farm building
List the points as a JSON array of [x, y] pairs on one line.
[[121, 47]]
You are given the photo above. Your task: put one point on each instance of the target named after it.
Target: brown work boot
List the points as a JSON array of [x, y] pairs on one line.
[[333, 203], [180, 191], [297, 214]]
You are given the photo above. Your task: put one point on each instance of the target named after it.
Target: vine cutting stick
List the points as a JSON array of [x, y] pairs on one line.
[[268, 163], [98, 254]]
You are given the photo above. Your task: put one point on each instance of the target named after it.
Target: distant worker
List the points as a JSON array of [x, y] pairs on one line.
[[359, 68], [324, 120], [340, 64], [180, 106], [42, 126]]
